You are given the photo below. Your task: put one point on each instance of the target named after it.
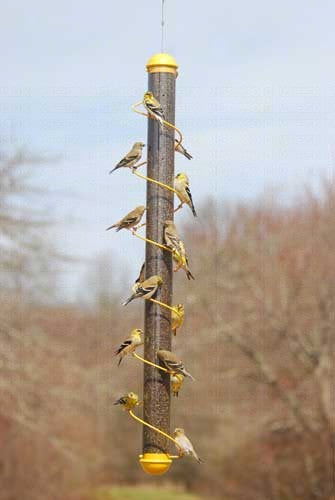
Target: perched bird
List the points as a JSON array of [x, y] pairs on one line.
[[153, 107], [130, 220], [180, 149], [140, 278], [177, 317], [185, 445], [182, 186], [177, 380], [131, 158], [172, 363], [128, 401], [173, 241], [130, 344], [182, 263], [146, 289]]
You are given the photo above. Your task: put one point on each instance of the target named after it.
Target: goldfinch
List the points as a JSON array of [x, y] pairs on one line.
[[172, 363], [180, 149], [130, 344], [153, 107], [182, 263], [177, 380], [185, 445], [130, 220], [128, 401], [177, 317], [146, 289], [131, 158], [140, 278], [173, 241], [182, 186]]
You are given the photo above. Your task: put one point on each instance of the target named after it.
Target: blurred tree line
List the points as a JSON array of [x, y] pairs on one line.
[[258, 336]]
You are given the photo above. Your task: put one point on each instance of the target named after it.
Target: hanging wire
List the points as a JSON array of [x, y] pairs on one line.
[[162, 28]]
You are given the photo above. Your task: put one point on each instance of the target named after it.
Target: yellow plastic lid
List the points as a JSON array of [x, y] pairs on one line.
[[163, 63], [155, 463]]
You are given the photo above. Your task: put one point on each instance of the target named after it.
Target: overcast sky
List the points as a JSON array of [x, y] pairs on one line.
[[255, 100]]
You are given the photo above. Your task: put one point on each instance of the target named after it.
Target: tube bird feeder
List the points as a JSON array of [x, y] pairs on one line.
[[162, 74]]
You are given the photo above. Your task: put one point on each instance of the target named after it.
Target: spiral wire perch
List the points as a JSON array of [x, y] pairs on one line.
[[143, 422], [150, 363], [168, 124]]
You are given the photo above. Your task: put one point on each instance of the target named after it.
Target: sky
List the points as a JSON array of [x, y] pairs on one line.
[[255, 101]]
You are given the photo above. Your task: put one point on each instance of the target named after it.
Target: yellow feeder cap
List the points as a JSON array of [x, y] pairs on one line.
[[155, 463], [162, 63]]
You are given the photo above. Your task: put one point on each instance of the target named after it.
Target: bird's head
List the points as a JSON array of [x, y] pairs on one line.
[[141, 209], [137, 332], [178, 432], [180, 308], [148, 95], [139, 145], [182, 177], [168, 223], [159, 280], [133, 396]]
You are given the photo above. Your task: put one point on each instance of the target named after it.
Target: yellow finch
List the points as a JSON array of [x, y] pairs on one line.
[[185, 445], [130, 220], [131, 158], [173, 241], [146, 289], [177, 317], [172, 363], [177, 380], [180, 149], [128, 401], [153, 107], [182, 186], [130, 344], [182, 262]]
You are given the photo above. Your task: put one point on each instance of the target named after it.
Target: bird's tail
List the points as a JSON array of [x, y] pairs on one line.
[[111, 227], [187, 154], [119, 361], [161, 124], [189, 275], [198, 459], [175, 332], [115, 168], [188, 374], [193, 209], [126, 302]]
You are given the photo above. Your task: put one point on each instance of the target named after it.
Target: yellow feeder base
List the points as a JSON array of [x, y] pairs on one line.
[[155, 463]]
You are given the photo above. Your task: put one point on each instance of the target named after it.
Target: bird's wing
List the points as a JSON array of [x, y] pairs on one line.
[[124, 344], [173, 364], [188, 191], [173, 241], [155, 107], [127, 159], [129, 220], [145, 288], [121, 401]]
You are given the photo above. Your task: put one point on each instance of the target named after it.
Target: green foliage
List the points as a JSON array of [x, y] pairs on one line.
[[140, 493]]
